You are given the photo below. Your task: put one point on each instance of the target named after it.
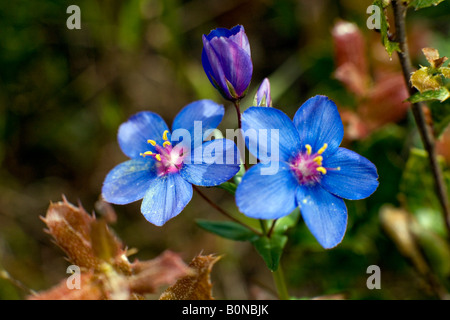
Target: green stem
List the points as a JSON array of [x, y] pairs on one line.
[[280, 283]]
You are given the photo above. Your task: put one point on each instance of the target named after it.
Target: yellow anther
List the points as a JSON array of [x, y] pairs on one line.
[[165, 135], [308, 149], [158, 157], [318, 160], [166, 143], [321, 150], [152, 142], [338, 168], [147, 153], [322, 170]]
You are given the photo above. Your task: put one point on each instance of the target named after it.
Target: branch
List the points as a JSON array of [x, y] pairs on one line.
[[425, 129]]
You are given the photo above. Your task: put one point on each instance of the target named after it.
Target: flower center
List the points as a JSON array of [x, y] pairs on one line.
[[308, 166], [169, 159]]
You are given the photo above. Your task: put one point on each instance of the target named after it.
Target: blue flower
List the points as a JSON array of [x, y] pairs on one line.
[[227, 62], [163, 165], [312, 171]]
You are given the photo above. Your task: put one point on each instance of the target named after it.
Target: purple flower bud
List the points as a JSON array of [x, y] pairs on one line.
[[262, 97], [227, 61]]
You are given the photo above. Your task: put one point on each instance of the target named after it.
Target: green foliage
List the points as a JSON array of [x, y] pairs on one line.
[[391, 46], [419, 4], [271, 249], [228, 230]]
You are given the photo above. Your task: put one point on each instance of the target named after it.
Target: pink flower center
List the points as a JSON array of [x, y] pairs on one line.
[[169, 159], [307, 166]]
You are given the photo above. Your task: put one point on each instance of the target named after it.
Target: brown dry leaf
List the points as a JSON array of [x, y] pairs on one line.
[[89, 290], [106, 272], [70, 228], [150, 275], [194, 287], [398, 225], [433, 58]]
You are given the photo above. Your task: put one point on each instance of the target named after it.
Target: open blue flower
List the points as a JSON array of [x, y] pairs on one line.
[[164, 164], [227, 61], [313, 172]]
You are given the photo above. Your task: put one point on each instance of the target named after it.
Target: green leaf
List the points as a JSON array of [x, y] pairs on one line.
[[271, 249], [229, 187], [287, 222], [441, 94], [391, 46], [227, 229], [419, 4]]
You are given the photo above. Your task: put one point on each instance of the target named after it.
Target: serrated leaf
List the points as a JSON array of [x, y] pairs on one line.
[[445, 72], [228, 229], [391, 46], [194, 287], [426, 79], [441, 94], [271, 249], [419, 4]]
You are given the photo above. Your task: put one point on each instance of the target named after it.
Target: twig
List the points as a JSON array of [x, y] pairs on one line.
[[425, 129]]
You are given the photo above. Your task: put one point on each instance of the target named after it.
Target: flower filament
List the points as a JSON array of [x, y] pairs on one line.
[[169, 159], [308, 166]]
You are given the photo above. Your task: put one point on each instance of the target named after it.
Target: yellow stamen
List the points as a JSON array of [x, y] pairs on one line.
[[158, 157], [338, 168], [322, 170], [147, 153], [152, 142], [321, 150], [318, 160], [165, 135], [166, 143], [308, 149]]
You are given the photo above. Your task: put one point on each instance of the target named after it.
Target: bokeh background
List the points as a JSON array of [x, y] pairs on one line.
[[63, 94]]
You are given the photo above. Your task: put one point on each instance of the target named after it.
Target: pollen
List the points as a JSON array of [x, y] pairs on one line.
[[318, 160], [308, 149], [322, 170], [158, 157], [166, 143], [152, 142], [165, 135], [322, 150]]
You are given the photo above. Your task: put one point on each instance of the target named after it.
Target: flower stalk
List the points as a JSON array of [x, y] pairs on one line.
[[425, 129]]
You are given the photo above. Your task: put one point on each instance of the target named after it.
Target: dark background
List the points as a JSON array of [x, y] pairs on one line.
[[63, 94]]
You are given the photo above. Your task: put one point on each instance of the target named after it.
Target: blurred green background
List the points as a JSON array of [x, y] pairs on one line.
[[63, 94]]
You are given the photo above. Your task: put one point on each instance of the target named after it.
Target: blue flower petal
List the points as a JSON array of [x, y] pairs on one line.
[[324, 214], [166, 197], [134, 133], [235, 62], [129, 181], [356, 178], [318, 122], [211, 164], [257, 125], [214, 70], [266, 193], [196, 120]]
